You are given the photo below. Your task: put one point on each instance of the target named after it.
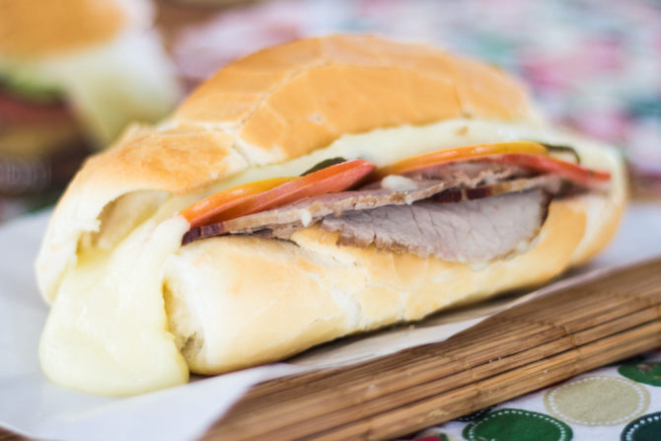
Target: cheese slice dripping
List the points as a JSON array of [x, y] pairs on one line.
[[107, 331]]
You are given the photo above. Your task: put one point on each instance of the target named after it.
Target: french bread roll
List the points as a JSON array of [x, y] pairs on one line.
[[133, 310]]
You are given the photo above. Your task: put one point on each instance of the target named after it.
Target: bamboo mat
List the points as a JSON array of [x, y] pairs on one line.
[[517, 351], [520, 350]]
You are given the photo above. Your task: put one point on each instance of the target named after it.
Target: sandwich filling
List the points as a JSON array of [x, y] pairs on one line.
[[459, 205], [27, 103]]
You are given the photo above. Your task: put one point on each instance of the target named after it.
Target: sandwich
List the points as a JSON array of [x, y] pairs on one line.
[[73, 74], [309, 191]]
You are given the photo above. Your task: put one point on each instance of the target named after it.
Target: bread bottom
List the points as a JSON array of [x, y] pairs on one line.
[[238, 301]]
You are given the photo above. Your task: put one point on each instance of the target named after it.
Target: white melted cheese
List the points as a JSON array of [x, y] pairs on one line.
[[385, 146], [107, 332]]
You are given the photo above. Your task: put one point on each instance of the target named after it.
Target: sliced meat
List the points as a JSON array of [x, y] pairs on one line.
[[552, 184], [469, 231], [393, 190], [309, 210], [484, 172], [17, 111]]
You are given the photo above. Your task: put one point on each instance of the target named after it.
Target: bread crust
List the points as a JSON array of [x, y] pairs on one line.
[[33, 28], [288, 100]]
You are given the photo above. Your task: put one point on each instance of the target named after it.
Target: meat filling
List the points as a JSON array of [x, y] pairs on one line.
[[464, 212], [393, 190], [478, 230]]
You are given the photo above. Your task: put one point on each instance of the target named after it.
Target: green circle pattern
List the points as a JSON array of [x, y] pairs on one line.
[[517, 425], [645, 428], [647, 372]]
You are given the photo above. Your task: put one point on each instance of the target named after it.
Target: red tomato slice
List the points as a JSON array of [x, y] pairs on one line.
[[546, 164], [201, 212], [264, 195], [16, 111], [464, 153]]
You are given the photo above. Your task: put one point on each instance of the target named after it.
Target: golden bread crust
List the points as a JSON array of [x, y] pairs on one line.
[[292, 99], [33, 28]]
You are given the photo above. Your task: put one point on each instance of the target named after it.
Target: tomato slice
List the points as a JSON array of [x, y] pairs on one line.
[[546, 164], [271, 193], [17, 111], [420, 162], [201, 212]]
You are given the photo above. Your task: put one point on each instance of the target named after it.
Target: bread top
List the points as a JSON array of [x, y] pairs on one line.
[[34, 28], [291, 99], [273, 106]]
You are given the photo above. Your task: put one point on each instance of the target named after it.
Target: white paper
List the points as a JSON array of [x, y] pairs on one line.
[[29, 404]]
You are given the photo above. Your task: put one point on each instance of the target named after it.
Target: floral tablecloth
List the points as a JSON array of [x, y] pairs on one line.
[[620, 402]]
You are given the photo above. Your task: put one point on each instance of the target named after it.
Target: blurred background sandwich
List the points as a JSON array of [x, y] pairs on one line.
[[73, 74]]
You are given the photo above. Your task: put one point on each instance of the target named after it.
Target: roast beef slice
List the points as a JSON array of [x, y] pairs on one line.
[[469, 231]]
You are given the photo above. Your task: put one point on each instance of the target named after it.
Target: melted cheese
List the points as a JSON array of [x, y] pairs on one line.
[[385, 146], [107, 332]]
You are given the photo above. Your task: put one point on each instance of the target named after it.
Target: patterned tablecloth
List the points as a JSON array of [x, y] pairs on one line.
[[621, 402]]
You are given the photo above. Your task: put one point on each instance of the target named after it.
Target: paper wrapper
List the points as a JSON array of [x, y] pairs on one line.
[[31, 405]]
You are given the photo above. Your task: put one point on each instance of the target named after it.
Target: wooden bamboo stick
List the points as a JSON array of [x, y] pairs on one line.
[[468, 379]]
